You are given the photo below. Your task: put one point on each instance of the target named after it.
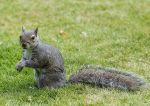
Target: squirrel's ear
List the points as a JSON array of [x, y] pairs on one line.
[[36, 31], [23, 29]]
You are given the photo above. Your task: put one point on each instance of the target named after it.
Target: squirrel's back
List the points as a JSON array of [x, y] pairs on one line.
[[108, 78]]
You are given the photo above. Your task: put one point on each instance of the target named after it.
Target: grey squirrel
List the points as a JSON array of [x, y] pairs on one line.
[[48, 64]]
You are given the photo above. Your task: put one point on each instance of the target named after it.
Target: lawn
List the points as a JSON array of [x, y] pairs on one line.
[[109, 33]]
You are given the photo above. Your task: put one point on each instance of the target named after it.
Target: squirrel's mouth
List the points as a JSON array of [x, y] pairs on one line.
[[24, 46]]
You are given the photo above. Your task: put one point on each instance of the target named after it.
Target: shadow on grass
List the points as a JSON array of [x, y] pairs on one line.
[[25, 90]]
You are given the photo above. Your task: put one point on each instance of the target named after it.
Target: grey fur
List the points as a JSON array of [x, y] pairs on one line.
[[48, 64], [105, 77], [45, 59]]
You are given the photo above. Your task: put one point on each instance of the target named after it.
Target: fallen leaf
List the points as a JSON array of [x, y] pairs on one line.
[[84, 34], [63, 33], [29, 98]]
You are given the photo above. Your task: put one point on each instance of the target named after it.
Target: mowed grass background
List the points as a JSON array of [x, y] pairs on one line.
[[109, 33]]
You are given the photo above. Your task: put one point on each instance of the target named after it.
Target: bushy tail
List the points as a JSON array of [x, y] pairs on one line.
[[108, 78]]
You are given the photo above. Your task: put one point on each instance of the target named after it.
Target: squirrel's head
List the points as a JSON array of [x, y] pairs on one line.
[[29, 38]]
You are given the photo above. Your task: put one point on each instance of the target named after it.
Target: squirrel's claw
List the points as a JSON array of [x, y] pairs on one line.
[[19, 67]]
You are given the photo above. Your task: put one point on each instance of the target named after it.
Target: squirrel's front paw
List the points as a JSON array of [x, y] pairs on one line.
[[19, 66]]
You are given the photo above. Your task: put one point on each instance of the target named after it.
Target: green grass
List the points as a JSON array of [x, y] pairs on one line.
[[109, 33]]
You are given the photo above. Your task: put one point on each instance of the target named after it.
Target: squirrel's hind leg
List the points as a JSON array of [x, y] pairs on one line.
[[51, 80]]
